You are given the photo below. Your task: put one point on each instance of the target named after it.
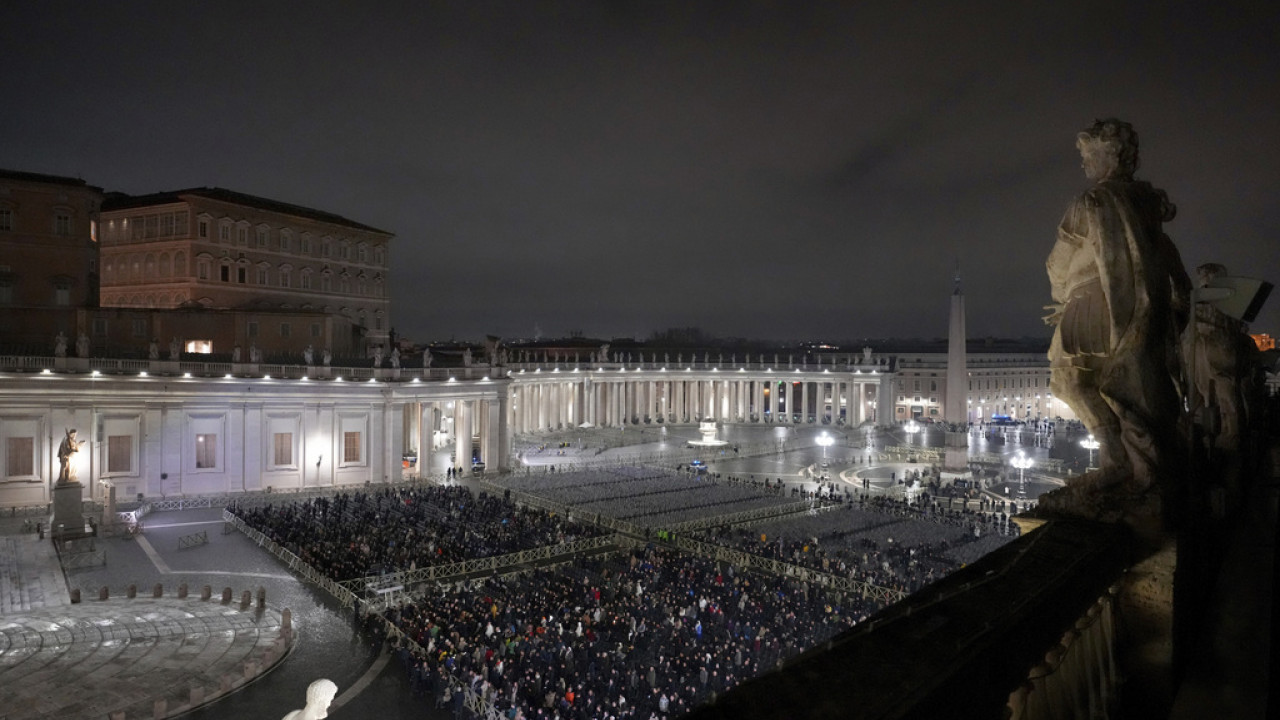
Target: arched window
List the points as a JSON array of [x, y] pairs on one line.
[[180, 264], [165, 268]]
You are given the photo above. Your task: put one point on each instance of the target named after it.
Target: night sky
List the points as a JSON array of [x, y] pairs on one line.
[[785, 170]]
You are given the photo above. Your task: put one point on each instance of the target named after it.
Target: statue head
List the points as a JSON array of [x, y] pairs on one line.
[[1207, 272], [1109, 149], [319, 694]]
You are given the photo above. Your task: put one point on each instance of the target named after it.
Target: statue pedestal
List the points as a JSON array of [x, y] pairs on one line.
[[68, 510]]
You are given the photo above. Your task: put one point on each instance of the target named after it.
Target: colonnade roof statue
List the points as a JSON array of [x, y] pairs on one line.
[[1121, 298]]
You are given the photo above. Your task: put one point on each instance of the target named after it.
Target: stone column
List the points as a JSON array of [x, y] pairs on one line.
[[804, 402], [462, 435]]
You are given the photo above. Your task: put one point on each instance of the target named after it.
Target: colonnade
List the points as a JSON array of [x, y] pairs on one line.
[[477, 428], [548, 401]]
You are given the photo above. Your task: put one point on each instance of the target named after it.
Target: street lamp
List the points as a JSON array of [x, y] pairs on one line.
[[1090, 443], [911, 428], [1022, 462], [825, 441]]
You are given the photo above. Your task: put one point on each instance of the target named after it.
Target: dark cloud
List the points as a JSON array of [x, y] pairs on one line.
[[762, 169]]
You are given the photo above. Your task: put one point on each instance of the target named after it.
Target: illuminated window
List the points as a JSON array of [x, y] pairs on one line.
[[282, 446], [351, 447], [206, 451], [203, 347], [119, 453], [20, 456]]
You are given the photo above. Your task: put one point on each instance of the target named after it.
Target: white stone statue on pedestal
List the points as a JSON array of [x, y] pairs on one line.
[[60, 345], [326, 357], [175, 349], [377, 357], [426, 358], [66, 457], [153, 350], [466, 357], [255, 355], [319, 695], [235, 354], [395, 358], [308, 355], [82, 346]]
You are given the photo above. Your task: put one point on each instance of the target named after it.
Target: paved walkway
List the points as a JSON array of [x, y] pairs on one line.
[[30, 577], [97, 658]]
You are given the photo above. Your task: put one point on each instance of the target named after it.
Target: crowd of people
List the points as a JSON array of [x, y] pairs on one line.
[[645, 634], [363, 533]]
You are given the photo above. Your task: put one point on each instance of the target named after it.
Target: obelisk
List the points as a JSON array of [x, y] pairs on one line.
[[955, 464]]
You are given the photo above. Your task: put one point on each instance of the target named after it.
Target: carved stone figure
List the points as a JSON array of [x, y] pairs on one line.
[[66, 456], [1121, 298], [319, 695], [326, 357], [466, 357], [377, 357], [1222, 362], [255, 355], [604, 353], [395, 358], [153, 350], [82, 346], [309, 355], [60, 345], [175, 349], [235, 354], [426, 358], [866, 354]]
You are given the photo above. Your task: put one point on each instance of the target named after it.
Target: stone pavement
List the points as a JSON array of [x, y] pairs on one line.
[[143, 657], [30, 577]]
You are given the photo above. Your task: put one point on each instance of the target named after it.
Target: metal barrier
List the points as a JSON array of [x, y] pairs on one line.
[[194, 539], [345, 597]]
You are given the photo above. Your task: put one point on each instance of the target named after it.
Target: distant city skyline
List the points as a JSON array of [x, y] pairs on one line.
[[773, 172]]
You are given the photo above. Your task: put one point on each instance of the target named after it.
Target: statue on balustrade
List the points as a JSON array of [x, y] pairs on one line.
[[235, 354], [255, 355], [377, 356], [426, 358], [174, 349], [320, 695], [308, 355], [82, 346], [395, 358], [153, 350], [326, 357], [60, 345], [1121, 299]]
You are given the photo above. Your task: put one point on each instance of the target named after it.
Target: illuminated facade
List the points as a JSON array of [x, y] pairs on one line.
[[222, 249]]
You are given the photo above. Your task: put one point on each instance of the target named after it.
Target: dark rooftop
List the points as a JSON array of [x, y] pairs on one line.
[[42, 178], [121, 201]]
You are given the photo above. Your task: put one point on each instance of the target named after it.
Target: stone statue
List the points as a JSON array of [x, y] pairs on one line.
[[377, 356], [1120, 300], [175, 349], [866, 354], [395, 358], [326, 357], [309, 355], [775, 359], [153, 350], [1221, 362], [666, 358], [680, 358], [426, 358], [82, 346], [66, 462], [466, 357], [604, 353], [255, 355], [60, 345], [319, 695], [235, 354]]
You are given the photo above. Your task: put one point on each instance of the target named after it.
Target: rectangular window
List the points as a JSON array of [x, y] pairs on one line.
[[99, 327], [251, 329], [224, 233], [286, 279], [306, 281], [119, 453], [6, 219], [284, 242], [203, 229], [6, 293], [242, 275], [202, 269], [262, 237], [226, 273], [351, 447], [206, 451], [285, 329], [283, 448], [262, 276], [20, 456], [139, 327], [62, 224], [62, 296], [242, 236], [306, 245], [315, 330]]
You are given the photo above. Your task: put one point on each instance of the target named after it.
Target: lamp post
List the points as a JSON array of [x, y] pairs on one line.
[[1022, 462], [911, 428], [1090, 443]]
